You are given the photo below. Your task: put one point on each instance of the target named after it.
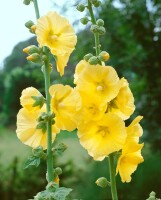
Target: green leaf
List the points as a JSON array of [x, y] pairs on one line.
[[39, 101], [61, 193], [32, 161]]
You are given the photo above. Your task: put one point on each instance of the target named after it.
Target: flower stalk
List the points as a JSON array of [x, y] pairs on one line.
[[111, 158], [96, 35], [46, 71]]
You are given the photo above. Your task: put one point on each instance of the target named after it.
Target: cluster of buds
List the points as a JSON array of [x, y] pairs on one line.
[[98, 27], [31, 26], [34, 53], [94, 60]]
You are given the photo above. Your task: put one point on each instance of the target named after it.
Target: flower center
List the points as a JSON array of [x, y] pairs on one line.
[[52, 38], [103, 130]]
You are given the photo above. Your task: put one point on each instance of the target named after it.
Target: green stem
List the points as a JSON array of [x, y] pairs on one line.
[[112, 176], [48, 99], [96, 35], [49, 125], [36, 9]]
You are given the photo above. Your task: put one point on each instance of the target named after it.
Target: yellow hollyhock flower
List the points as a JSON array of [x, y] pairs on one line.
[[27, 130], [99, 82], [100, 138], [27, 99], [131, 151], [123, 103], [55, 32], [65, 102]]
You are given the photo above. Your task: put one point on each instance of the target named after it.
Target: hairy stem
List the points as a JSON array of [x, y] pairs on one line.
[[96, 35], [48, 99], [112, 176]]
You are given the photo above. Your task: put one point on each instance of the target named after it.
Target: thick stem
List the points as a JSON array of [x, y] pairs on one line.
[[96, 35], [112, 176], [48, 99], [49, 125], [36, 9]]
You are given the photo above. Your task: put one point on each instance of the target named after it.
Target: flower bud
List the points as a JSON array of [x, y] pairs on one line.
[[84, 20], [80, 7], [97, 4], [94, 1], [31, 49], [35, 58], [87, 57], [33, 29], [27, 2], [93, 60], [103, 56], [102, 182], [101, 30], [58, 171], [29, 23], [100, 22], [94, 28]]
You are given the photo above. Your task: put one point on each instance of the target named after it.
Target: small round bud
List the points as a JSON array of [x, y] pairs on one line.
[[58, 171], [94, 28], [29, 23], [93, 60], [87, 57], [94, 1], [102, 182], [80, 7], [35, 58], [33, 29], [97, 4], [104, 56], [101, 30], [84, 20], [100, 22], [27, 2]]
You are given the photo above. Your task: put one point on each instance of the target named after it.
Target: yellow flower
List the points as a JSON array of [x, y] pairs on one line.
[[100, 138], [27, 99], [131, 152], [99, 82], [65, 103], [27, 131], [129, 160], [123, 103], [55, 32]]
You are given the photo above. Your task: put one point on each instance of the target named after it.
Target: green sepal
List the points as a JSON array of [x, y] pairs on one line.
[[42, 125], [39, 101], [59, 149], [32, 161], [38, 152]]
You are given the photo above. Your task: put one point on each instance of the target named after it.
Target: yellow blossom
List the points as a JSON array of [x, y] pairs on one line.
[[27, 130], [123, 103], [131, 151], [27, 98], [55, 32], [102, 137], [65, 103], [99, 82]]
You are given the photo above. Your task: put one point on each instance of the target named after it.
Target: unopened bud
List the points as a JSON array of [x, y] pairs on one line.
[[58, 171], [100, 22], [33, 29], [104, 56], [101, 30], [102, 182], [87, 57], [94, 28], [94, 1], [97, 4], [93, 60], [29, 23], [31, 49], [35, 58], [80, 7], [27, 2], [84, 20]]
